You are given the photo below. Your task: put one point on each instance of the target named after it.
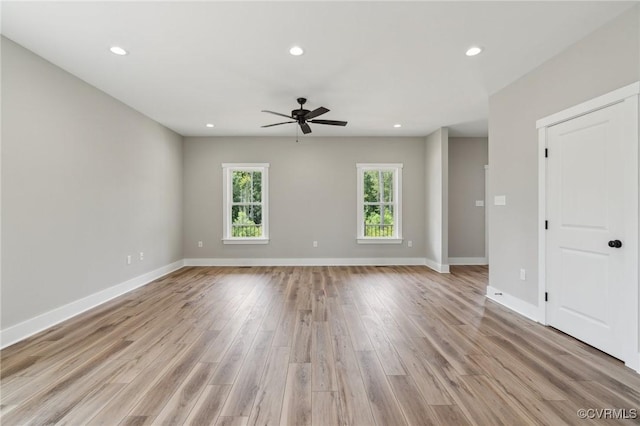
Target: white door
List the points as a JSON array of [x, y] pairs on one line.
[[591, 251]]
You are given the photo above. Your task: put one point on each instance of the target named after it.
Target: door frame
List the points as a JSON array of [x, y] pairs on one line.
[[628, 94]]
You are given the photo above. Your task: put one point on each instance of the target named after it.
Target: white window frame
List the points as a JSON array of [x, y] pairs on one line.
[[227, 202], [396, 168]]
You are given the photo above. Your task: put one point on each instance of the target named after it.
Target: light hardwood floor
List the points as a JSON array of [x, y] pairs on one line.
[[309, 346]]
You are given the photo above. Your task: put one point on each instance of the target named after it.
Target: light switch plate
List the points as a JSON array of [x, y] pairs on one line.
[[500, 200], [479, 203]]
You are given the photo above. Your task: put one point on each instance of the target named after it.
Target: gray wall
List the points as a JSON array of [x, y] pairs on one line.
[[603, 61], [467, 158], [436, 177], [312, 187], [86, 181]]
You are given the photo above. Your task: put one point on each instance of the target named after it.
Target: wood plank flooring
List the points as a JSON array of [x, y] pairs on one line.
[[315, 346]]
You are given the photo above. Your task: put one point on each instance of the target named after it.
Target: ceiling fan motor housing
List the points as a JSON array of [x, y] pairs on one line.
[[298, 114]]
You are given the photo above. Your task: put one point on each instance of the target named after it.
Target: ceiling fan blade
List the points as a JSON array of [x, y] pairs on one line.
[[330, 122], [277, 124], [277, 113], [316, 112], [305, 128]]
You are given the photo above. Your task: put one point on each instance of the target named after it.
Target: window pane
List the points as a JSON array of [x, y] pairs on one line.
[[388, 215], [387, 183], [247, 187], [372, 214], [257, 187], [255, 214], [241, 186], [378, 221], [246, 221], [371, 186]]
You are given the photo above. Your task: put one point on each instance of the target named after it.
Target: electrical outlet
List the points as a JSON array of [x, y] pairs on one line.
[[315, 244], [409, 243], [479, 203], [200, 244], [141, 255], [128, 259], [523, 274]]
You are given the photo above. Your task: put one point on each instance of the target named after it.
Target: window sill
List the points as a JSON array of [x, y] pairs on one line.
[[379, 240], [245, 241]]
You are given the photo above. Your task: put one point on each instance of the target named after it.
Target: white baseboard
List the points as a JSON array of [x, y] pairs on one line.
[[307, 261], [518, 305], [27, 328], [438, 267], [468, 261]]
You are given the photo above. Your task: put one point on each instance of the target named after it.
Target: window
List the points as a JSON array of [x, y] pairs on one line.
[[379, 203], [246, 196]]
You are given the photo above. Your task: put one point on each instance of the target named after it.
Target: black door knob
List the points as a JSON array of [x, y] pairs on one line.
[[615, 243]]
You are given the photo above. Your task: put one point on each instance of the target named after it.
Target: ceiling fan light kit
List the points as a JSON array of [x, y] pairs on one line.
[[303, 117]]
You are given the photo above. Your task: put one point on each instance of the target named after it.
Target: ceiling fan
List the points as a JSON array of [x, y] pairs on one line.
[[303, 117]]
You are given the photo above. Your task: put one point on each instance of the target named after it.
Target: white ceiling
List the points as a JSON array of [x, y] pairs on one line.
[[373, 64]]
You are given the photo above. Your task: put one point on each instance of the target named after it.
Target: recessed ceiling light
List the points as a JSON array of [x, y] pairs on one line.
[[296, 51], [117, 50], [473, 51], [397, 125], [210, 125]]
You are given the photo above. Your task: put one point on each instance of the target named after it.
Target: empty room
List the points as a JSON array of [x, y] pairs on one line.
[[319, 213]]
